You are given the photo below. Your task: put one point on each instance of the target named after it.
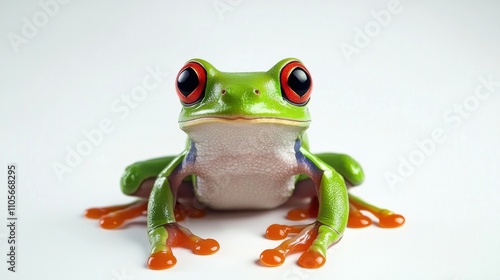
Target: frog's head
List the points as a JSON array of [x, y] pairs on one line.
[[278, 96]]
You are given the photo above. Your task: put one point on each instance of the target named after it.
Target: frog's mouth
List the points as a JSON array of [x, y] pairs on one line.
[[244, 120]]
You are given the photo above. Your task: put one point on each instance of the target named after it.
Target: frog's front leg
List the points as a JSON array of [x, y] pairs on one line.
[[314, 239], [353, 174], [163, 230], [137, 180]]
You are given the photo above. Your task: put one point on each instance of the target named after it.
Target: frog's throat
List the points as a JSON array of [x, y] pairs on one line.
[[204, 120]]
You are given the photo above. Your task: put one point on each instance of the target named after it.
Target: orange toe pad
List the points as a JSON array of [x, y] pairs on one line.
[[161, 260]]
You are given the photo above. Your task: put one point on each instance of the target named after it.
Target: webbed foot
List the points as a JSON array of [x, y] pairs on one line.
[[387, 218], [114, 216], [312, 239], [174, 235]]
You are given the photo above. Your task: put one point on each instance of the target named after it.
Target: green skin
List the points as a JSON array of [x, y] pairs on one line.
[[331, 169]]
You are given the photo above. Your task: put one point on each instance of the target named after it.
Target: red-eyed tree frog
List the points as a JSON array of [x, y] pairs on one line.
[[247, 149]]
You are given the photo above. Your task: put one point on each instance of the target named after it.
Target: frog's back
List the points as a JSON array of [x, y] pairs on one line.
[[241, 165]]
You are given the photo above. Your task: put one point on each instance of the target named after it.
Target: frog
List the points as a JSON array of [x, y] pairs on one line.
[[247, 149]]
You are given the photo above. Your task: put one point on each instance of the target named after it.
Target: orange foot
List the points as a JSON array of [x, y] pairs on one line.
[[387, 218], [178, 236], [112, 217], [357, 219], [313, 240]]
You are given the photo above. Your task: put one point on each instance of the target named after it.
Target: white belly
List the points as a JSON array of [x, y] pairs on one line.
[[244, 166]]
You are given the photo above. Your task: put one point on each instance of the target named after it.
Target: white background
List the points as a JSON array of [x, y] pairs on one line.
[[65, 77]]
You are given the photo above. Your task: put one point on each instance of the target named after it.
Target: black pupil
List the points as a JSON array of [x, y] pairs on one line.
[[187, 81], [299, 81]]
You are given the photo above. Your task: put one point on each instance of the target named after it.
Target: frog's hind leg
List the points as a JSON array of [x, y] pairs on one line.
[[138, 180], [350, 170], [356, 218], [353, 174], [111, 217]]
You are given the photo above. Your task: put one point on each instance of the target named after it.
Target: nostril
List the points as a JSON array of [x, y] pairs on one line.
[[223, 92], [257, 91]]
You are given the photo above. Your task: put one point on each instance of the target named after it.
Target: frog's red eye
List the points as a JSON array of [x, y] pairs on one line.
[[190, 83], [296, 83]]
